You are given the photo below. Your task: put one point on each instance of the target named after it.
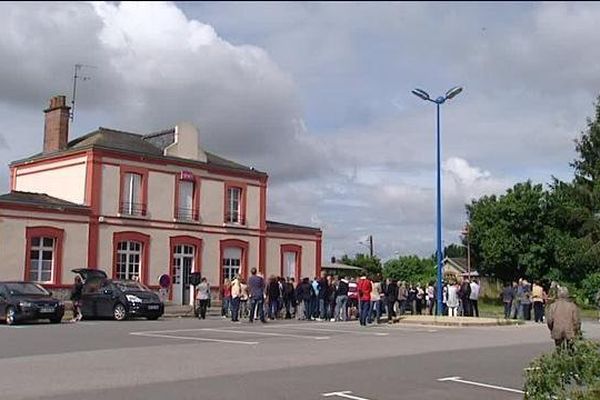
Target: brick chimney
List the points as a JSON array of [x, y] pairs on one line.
[[56, 126]]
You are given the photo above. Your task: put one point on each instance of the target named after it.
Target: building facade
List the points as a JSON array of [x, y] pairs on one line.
[[139, 207]]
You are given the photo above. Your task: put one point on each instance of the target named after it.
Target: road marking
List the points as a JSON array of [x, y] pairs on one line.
[[346, 394], [485, 385], [306, 328], [265, 333], [157, 335]]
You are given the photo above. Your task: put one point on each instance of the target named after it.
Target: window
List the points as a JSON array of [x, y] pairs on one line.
[[232, 262], [131, 201], [41, 258], [129, 256], [183, 264], [185, 209], [291, 261], [233, 213], [289, 264]]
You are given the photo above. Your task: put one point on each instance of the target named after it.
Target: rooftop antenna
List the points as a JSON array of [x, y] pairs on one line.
[[76, 76]]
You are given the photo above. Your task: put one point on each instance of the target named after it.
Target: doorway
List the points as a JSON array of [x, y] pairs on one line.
[[183, 265]]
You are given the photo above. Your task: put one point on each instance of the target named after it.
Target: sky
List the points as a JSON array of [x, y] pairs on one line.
[[318, 95]]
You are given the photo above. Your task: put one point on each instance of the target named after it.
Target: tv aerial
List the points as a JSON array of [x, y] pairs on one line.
[[78, 76]]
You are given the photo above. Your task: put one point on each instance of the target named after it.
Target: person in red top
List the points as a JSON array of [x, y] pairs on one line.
[[364, 297]]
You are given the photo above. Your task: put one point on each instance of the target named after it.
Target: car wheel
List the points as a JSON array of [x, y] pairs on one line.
[[119, 312], [11, 316], [56, 320]]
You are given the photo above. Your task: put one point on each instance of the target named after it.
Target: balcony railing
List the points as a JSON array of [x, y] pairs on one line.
[[134, 209], [187, 214], [234, 218]]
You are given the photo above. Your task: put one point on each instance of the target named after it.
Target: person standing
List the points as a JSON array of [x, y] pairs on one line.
[[203, 297], [256, 289], [526, 301], [323, 296], [333, 284], [563, 319], [352, 308], [430, 295], [402, 296], [244, 296], [392, 295], [374, 308], [452, 301], [507, 299], [464, 293], [288, 297], [236, 291], [364, 297], [273, 295], [341, 300], [516, 305], [76, 293], [226, 298], [303, 295], [474, 298], [537, 295]]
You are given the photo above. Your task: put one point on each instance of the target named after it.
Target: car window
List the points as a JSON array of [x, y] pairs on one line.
[[93, 285], [130, 286], [25, 288]]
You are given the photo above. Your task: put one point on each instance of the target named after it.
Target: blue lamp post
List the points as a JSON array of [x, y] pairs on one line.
[[438, 102]]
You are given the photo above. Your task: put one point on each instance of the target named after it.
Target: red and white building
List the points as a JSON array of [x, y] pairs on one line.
[[142, 206]]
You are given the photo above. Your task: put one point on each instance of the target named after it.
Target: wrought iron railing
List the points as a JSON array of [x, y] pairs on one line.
[[187, 214], [135, 209], [234, 218]]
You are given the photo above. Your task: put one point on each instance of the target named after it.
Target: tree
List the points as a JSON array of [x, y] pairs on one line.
[[587, 166], [508, 233], [411, 269], [371, 265], [455, 251]]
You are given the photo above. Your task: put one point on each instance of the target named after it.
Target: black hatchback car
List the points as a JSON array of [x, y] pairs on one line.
[[28, 301], [118, 299]]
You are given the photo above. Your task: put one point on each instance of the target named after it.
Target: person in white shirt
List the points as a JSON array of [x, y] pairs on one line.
[[452, 301], [474, 297]]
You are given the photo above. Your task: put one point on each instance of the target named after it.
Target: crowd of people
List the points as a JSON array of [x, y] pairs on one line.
[[520, 297], [337, 298]]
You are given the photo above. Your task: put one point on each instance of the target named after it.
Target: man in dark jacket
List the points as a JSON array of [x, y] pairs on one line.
[[256, 289], [323, 295], [304, 293], [464, 294], [288, 297], [391, 292], [341, 300], [507, 299]]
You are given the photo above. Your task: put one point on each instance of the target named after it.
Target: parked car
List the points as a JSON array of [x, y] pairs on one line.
[[28, 301], [119, 299]]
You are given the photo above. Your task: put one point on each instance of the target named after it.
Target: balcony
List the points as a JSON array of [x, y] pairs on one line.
[[187, 215], [133, 209], [234, 218]]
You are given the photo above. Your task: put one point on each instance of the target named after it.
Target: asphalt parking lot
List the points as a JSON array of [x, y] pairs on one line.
[[215, 359]]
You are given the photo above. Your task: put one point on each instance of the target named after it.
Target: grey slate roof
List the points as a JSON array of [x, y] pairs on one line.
[[290, 227], [40, 200], [151, 145]]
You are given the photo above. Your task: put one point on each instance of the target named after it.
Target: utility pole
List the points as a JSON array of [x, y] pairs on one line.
[[371, 245]]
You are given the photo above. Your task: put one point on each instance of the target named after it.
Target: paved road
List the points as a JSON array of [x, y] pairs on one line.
[[214, 359]]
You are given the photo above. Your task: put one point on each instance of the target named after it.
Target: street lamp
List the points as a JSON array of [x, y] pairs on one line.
[[438, 102]]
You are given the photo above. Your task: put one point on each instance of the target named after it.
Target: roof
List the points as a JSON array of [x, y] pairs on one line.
[[283, 227], [40, 200], [340, 266], [152, 145], [461, 265]]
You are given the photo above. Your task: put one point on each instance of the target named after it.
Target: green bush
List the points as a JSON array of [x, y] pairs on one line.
[[566, 374]]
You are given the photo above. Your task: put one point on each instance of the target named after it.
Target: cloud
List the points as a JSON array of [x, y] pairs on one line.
[[154, 67]]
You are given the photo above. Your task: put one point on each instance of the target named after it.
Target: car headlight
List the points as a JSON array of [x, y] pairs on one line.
[[133, 299], [25, 304]]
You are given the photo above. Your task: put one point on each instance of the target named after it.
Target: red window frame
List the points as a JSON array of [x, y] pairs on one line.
[[243, 245], [45, 231], [143, 172], [243, 193], [291, 248], [135, 237], [195, 199]]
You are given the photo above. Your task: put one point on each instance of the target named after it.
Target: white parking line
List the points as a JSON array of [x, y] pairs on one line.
[[158, 335], [265, 333], [346, 394], [484, 385], [306, 328]]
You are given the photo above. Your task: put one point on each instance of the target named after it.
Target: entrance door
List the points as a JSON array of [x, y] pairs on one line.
[[183, 264]]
